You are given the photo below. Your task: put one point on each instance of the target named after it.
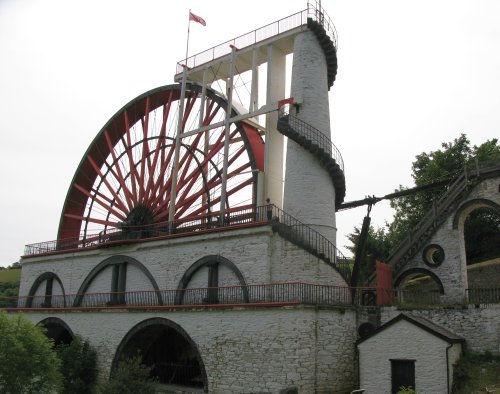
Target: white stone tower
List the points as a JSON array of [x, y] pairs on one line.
[[310, 193]]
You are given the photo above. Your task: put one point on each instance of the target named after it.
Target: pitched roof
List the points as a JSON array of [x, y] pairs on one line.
[[424, 324]]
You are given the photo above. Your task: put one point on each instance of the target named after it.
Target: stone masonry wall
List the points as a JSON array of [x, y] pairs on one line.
[[479, 326], [453, 271], [309, 194], [244, 350]]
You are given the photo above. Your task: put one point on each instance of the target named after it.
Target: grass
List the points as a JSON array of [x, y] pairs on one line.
[[477, 373], [9, 285], [10, 276]]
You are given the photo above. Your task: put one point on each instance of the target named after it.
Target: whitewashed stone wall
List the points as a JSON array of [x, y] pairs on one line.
[[453, 271], [404, 340], [244, 350], [336, 360], [309, 194], [479, 326], [261, 255]]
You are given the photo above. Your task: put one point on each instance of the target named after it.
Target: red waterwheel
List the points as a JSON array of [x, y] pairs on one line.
[[125, 177]]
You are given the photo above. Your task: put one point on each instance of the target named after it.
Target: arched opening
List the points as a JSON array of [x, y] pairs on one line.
[[168, 349], [211, 280], [479, 223], [47, 291], [111, 274], [482, 235], [419, 286], [57, 330]]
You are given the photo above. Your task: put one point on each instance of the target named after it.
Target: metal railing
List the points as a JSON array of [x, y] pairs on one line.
[[483, 296], [315, 136], [313, 11], [275, 293], [191, 225], [295, 231], [269, 294], [300, 233]]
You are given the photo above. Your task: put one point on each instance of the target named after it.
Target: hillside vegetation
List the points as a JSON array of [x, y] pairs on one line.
[[477, 373], [9, 283]]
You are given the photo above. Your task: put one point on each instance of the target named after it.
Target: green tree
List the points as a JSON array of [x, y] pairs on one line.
[[79, 366], [28, 362], [377, 247], [130, 377], [443, 164]]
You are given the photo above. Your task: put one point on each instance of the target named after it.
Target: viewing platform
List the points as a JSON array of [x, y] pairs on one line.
[[250, 46]]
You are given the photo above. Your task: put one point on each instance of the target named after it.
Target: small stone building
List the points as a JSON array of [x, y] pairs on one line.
[[411, 352]]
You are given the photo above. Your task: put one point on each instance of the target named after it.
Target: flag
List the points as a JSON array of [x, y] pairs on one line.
[[196, 18]]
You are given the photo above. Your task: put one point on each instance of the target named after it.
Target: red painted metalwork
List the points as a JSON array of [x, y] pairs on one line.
[[257, 145], [283, 102], [384, 283], [125, 179]]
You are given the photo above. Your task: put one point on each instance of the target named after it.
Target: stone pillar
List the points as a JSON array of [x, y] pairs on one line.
[[309, 194], [273, 156]]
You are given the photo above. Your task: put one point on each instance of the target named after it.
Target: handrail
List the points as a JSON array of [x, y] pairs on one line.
[[272, 293], [268, 294], [313, 11], [315, 136], [300, 233], [483, 295], [233, 217]]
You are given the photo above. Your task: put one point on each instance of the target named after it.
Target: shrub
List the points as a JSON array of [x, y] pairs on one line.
[[475, 371], [28, 362], [407, 390], [79, 367], [130, 377]]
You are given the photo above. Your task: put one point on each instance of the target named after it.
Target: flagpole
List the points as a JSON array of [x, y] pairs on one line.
[[187, 43]]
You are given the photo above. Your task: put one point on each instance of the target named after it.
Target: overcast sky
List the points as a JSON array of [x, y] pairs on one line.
[[412, 74]]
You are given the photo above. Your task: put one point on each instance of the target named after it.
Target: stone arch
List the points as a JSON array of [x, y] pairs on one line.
[[212, 262], [157, 338], [110, 261], [423, 271], [49, 278], [470, 205], [477, 247], [57, 330]]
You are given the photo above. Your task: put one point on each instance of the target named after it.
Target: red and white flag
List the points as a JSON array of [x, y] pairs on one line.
[[196, 18]]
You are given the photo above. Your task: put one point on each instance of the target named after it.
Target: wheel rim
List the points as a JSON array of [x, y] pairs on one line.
[[124, 178]]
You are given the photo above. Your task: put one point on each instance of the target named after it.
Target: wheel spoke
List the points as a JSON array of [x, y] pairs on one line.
[[107, 204], [158, 150], [126, 176], [128, 147], [93, 220], [118, 200], [145, 150], [121, 179]]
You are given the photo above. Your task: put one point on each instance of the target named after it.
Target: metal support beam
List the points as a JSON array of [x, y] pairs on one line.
[[254, 90], [238, 118], [227, 125], [173, 190]]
